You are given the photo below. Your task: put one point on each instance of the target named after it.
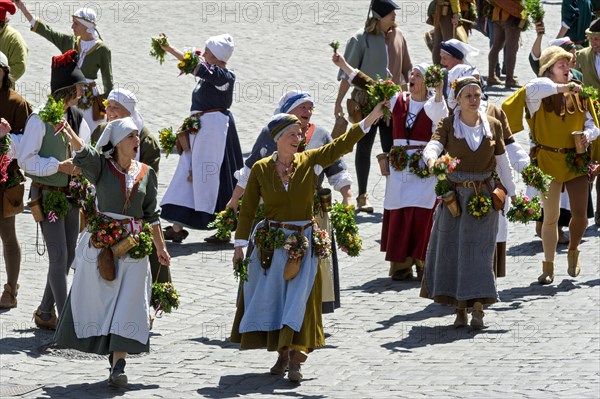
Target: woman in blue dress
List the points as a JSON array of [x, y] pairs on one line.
[[203, 181]]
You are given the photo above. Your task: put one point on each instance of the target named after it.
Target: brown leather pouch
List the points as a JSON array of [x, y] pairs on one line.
[[106, 264]]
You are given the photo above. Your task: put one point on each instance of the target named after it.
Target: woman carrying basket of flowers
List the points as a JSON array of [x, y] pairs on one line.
[[285, 315], [107, 311], [409, 196], [459, 267]]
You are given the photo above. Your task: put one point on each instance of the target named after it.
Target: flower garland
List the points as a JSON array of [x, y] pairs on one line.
[[434, 75], [533, 176], [414, 165], [579, 163], [223, 222], [167, 140], [524, 210], [321, 242], [164, 298], [398, 158], [296, 245], [144, 239], [381, 90], [268, 238], [479, 206], [156, 50], [83, 193], [346, 230], [55, 205], [240, 270], [190, 61]]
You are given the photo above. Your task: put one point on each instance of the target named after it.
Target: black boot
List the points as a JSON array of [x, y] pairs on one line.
[[117, 375]]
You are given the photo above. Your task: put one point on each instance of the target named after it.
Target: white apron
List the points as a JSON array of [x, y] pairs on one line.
[[102, 307], [204, 160]]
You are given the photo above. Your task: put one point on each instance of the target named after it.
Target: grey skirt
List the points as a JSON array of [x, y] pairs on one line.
[[459, 265]]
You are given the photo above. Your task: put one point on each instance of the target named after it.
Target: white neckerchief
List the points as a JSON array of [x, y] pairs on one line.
[[129, 176], [473, 135], [85, 46], [597, 64]]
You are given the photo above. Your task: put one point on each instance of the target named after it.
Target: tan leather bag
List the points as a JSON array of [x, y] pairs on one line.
[[12, 200], [354, 105], [340, 127], [106, 264]]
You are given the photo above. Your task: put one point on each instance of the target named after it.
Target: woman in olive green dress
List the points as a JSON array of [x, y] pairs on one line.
[[94, 56], [285, 315]]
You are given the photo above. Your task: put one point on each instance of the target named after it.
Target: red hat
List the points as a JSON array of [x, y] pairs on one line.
[[6, 5]]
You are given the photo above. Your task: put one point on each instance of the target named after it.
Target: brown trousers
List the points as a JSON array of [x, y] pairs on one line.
[[506, 35], [11, 249]]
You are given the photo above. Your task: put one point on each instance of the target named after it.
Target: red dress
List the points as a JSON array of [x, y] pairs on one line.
[[405, 231]]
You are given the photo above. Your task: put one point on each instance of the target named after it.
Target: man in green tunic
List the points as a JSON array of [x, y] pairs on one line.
[[11, 42]]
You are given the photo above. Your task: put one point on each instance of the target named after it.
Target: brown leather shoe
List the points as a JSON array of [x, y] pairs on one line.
[[363, 204], [8, 299], [573, 261], [175, 236], [512, 83], [477, 316], [296, 360], [462, 319], [49, 324], [401, 275], [493, 81], [282, 363]]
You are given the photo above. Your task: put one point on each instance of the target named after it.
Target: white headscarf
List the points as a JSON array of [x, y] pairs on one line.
[[114, 132], [128, 100], [422, 67], [465, 49], [221, 46], [87, 17], [291, 100], [459, 71]]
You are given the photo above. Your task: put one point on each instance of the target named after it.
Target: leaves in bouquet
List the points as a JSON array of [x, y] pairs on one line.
[[167, 140], [156, 50], [53, 111]]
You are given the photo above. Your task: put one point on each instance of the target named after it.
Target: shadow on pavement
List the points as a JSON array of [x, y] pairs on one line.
[[234, 386], [184, 249], [535, 292], [99, 389], [421, 336], [530, 248], [215, 342], [31, 346], [363, 217], [383, 284], [431, 310]]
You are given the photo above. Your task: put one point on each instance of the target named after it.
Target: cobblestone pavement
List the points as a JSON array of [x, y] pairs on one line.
[[385, 341]]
